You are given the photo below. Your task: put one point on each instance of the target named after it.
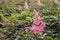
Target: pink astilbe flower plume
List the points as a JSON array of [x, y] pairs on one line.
[[36, 17], [38, 25], [26, 5]]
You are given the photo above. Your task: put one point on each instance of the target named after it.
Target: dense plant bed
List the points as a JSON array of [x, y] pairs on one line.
[[18, 15]]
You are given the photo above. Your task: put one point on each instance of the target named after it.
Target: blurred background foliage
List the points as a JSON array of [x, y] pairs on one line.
[[14, 20]]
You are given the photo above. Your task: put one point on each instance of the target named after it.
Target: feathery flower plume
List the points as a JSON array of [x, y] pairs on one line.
[[26, 5], [38, 25]]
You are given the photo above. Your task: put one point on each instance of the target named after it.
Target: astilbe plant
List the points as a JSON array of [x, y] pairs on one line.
[[12, 29], [25, 5], [38, 25]]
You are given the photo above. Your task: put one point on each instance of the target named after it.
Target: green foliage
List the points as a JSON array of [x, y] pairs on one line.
[[48, 38], [14, 16], [11, 20], [26, 16]]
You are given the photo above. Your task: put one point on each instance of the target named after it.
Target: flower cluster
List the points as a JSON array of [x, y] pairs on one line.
[[38, 25]]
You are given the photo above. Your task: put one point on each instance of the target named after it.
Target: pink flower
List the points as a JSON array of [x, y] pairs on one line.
[[36, 17], [38, 25], [26, 5], [39, 2]]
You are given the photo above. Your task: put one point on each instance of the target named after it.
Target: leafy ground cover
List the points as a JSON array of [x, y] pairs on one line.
[[15, 19]]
